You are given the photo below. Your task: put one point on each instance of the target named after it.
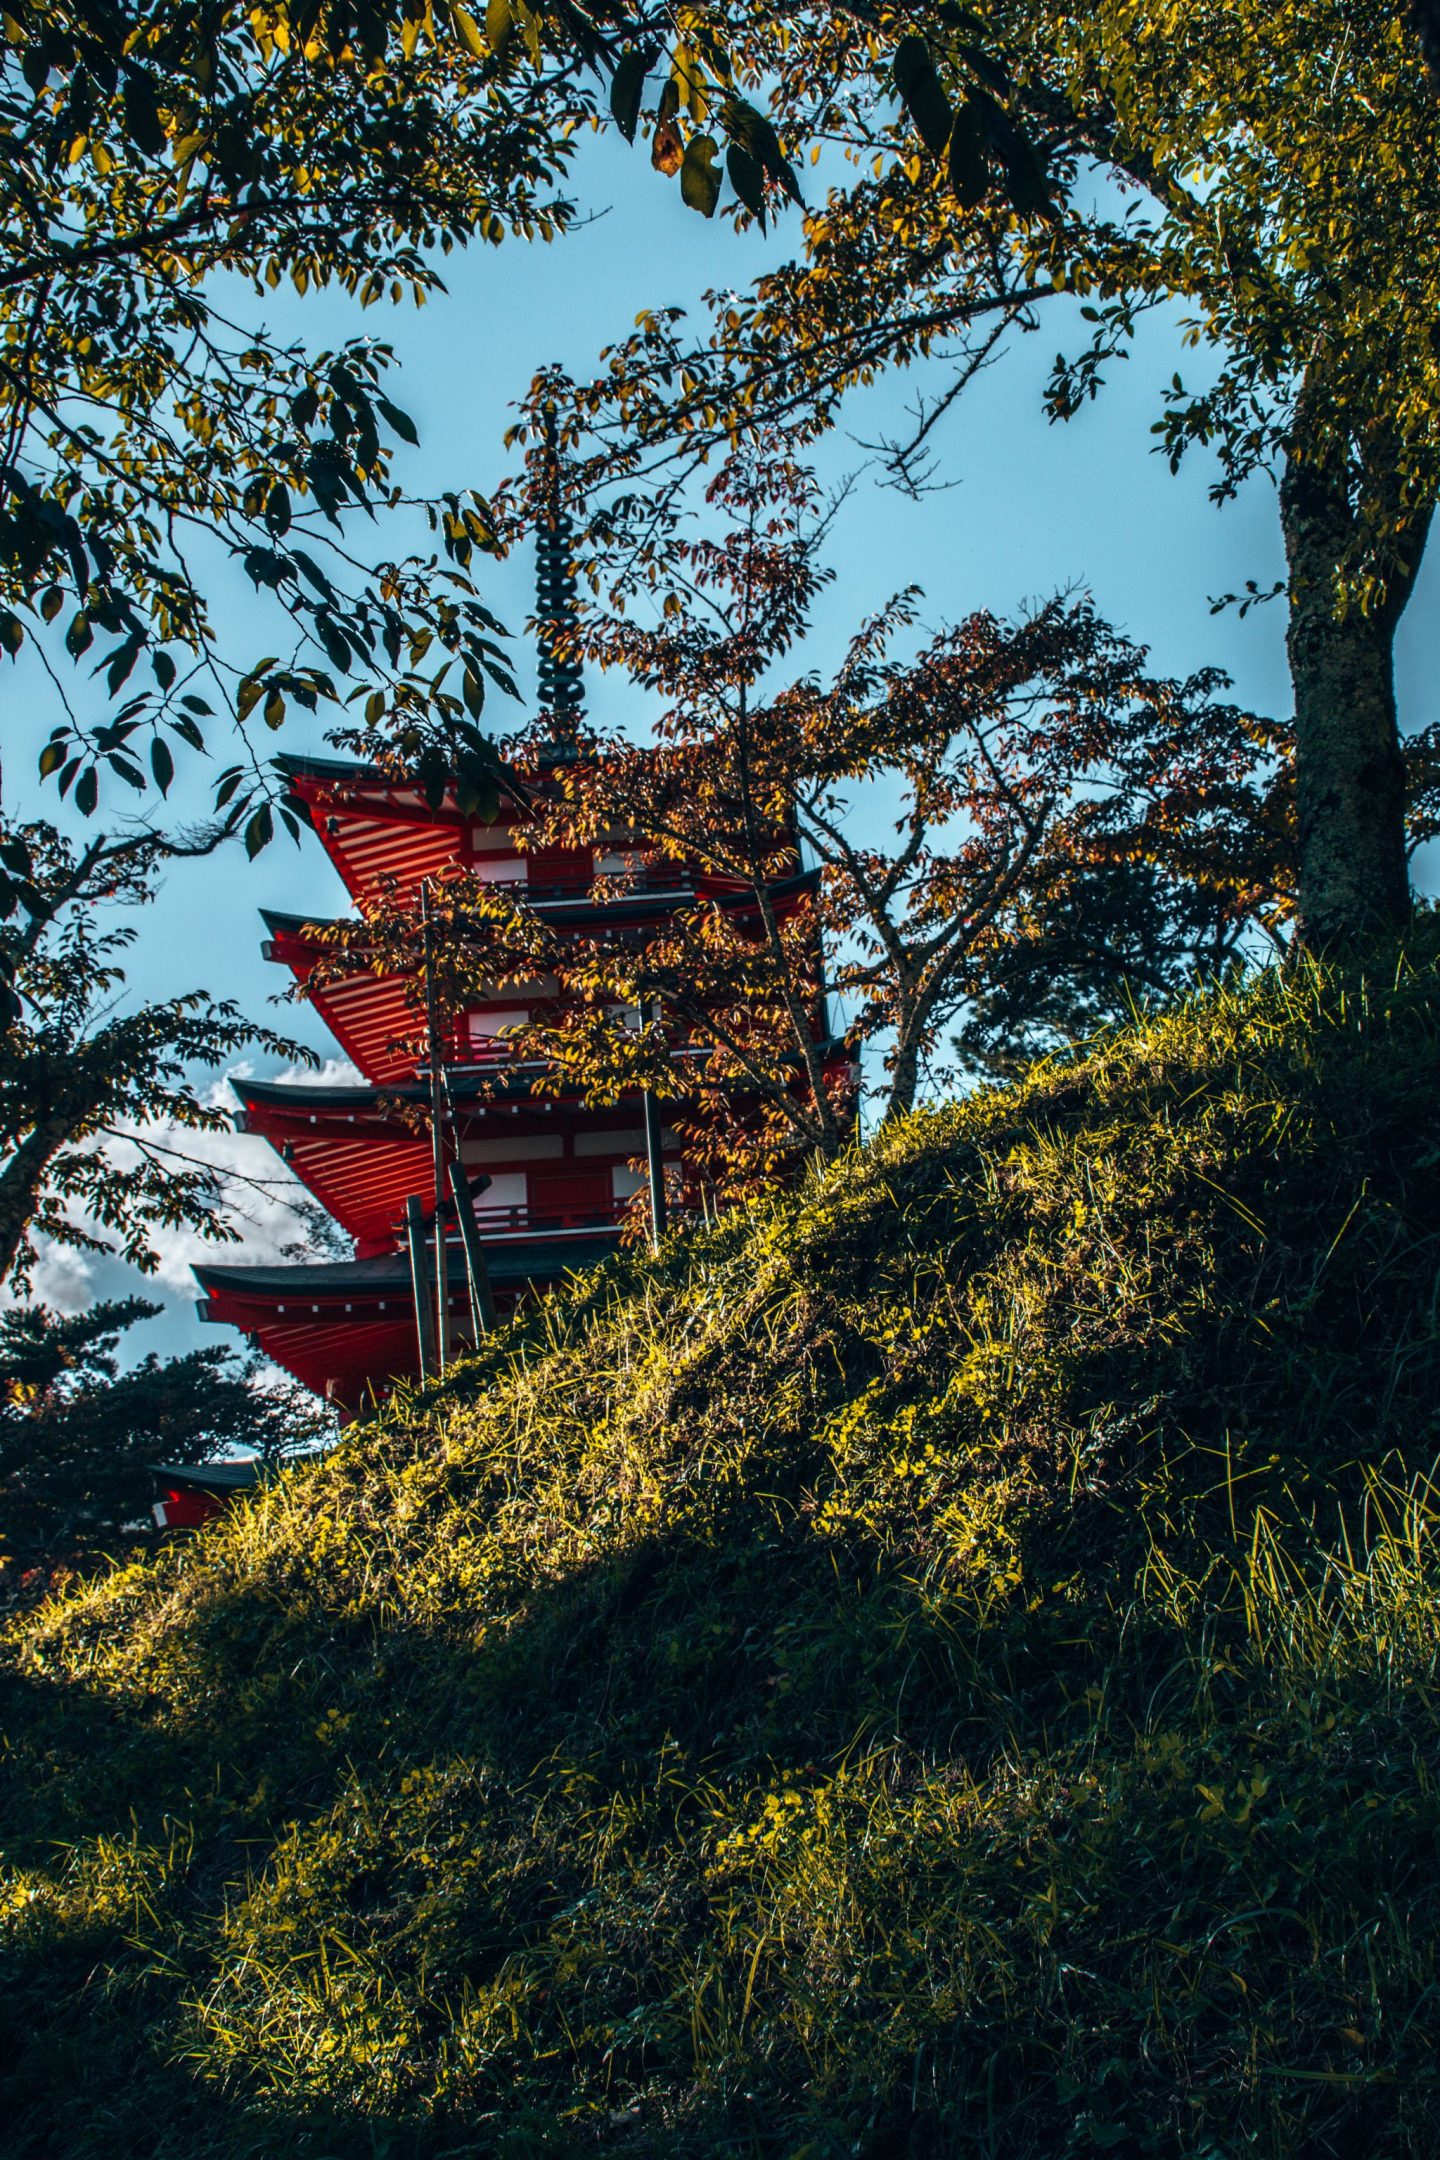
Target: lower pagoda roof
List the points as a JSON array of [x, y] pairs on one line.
[[477, 1085], [345, 1328], [242, 1474], [387, 1275]]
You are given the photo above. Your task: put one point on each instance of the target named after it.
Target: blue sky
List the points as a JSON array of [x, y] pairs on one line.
[[1030, 508]]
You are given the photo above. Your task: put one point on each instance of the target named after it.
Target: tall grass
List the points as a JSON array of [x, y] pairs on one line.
[[944, 1664]]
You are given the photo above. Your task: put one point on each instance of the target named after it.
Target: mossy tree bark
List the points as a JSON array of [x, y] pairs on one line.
[[1349, 767]]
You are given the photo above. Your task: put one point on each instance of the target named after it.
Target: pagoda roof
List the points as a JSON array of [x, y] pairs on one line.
[[380, 831], [240, 1475], [387, 1275], [367, 1014], [474, 1085], [345, 1328], [354, 772], [374, 829], [477, 1086]]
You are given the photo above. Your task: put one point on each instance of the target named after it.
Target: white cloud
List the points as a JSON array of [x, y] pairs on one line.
[[63, 1280], [334, 1072]]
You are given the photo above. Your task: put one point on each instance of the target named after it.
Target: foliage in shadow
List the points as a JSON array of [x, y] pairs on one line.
[[943, 1664]]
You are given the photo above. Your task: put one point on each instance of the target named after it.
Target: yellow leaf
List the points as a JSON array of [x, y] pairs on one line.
[[469, 31]]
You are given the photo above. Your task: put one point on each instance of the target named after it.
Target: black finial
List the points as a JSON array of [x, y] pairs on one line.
[[561, 684]]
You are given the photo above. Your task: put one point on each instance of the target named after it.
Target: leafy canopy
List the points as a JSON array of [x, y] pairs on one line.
[[94, 1099], [1273, 172], [156, 165]]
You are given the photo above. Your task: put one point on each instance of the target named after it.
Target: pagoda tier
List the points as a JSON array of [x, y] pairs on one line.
[[380, 836], [345, 1328], [385, 841], [371, 1018], [555, 1166]]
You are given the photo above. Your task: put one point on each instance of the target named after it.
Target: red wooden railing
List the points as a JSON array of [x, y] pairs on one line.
[[576, 884], [531, 1221]]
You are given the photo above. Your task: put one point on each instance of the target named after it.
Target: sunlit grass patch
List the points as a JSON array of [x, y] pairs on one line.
[[944, 1664]]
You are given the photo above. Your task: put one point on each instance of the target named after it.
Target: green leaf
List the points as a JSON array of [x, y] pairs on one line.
[[79, 637], [260, 831], [433, 774], [969, 173], [400, 421], [923, 93], [628, 88], [52, 757], [122, 660], [162, 764], [333, 638], [87, 791], [993, 73], [164, 668], [700, 175], [747, 177], [142, 115], [750, 131], [1026, 181]]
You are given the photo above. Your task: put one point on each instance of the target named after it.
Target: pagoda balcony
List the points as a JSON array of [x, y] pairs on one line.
[[549, 1219], [601, 886]]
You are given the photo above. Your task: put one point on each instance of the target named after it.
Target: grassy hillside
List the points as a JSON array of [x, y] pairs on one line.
[[946, 1665]]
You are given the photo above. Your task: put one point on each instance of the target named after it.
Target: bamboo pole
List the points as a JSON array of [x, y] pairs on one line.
[[420, 1284], [482, 1298], [655, 1158], [437, 1132]]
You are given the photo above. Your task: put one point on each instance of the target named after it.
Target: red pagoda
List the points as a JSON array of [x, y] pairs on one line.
[[557, 1174]]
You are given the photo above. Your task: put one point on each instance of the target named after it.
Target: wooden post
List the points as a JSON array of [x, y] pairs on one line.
[[437, 1133], [654, 1150], [420, 1284], [482, 1298], [655, 1158]]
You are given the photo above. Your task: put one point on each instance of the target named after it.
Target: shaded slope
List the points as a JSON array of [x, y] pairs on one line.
[[945, 1665]]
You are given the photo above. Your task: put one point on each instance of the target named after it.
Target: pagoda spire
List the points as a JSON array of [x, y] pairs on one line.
[[558, 612]]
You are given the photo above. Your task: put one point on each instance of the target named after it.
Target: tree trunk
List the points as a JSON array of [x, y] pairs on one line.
[[904, 1080], [1349, 771], [21, 1180]]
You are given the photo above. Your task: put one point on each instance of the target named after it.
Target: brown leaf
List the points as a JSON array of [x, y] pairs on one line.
[[667, 151]]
